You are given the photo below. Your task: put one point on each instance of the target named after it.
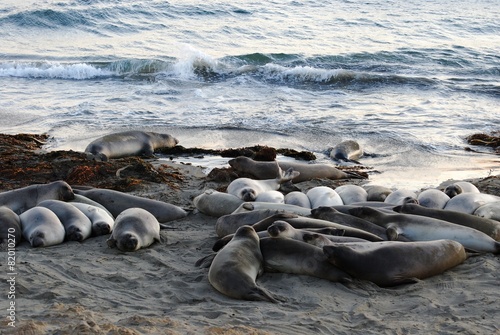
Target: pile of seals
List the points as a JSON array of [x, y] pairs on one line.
[[350, 232], [49, 214]]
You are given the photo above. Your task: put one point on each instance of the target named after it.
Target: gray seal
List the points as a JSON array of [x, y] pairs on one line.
[[347, 151], [282, 229], [41, 227], [102, 222], [351, 193], [433, 198], [10, 228], [469, 202], [487, 226], [490, 210], [376, 192], [135, 228], [269, 170], [116, 202], [77, 225], [24, 198], [129, 143], [236, 267], [400, 196], [297, 198], [291, 256], [460, 187], [423, 228], [323, 196], [393, 263], [215, 203], [248, 189]]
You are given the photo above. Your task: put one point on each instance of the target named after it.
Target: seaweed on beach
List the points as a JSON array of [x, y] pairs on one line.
[[489, 140]]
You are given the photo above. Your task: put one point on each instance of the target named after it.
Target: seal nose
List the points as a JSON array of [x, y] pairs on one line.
[[273, 231], [37, 242], [248, 195]]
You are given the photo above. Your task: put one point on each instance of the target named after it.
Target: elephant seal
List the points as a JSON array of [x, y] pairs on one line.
[[129, 143], [41, 227], [102, 222], [423, 228], [490, 210], [291, 256], [297, 198], [310, 223], [77, 225], [469, 202], [228, 224], [333, 215], [84, 200], [323, 196], [135, 228], [433, 198], [393, 263], [252, 206], [347, 151], [460, 187], [10, 228], [487, 226], [116, 202], [282, 229], [248, 189], [271, 196], [236, 267], [215, 203], [400, 196], [22, 199], [269, 170], [351, 193], [376, 192], [320, 240]]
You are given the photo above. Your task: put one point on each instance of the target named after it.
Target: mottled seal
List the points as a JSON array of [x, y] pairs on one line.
[[433, 198], [487, 226], [236, 267], [135, 228], [22, 199], [102, 222], [351, 193], [400, 196], [469, 202], [291, 256], [490, 210], [460, 187], [347, 151], [41, 227], [323, 196], [116, 202], [392, 263], [269, 170], [297, 198], [129, 143], [423, 228], [248, 189], [77, 225], [215, 203], [10, 228]]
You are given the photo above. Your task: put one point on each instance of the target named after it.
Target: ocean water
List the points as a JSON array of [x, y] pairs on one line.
[[409, 80]]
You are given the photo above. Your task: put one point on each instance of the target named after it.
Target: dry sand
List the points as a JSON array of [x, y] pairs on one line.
[[88, 288]]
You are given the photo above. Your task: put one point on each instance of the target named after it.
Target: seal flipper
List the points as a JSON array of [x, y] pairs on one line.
[[287, 175], [111, 242], [392, 233], [260, 294], [205, 262]]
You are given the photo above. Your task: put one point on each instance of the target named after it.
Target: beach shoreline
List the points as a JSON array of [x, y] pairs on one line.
[[88, 288]]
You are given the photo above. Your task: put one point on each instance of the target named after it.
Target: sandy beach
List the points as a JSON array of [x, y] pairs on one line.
[[88, 288]]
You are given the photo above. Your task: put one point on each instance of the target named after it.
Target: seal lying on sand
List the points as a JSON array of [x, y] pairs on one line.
[[291, 256], [77, 225], [41, 227], [248, 189], [236, 267], [116, 202], [129, 143], [392, 263], [102, 222], [22, 199], [10, 228], [135, 228], [460, 187], [268, 170]]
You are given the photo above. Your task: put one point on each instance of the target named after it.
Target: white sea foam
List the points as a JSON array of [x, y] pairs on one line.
[[52, 70]]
